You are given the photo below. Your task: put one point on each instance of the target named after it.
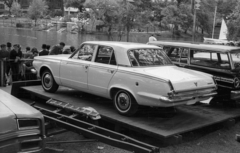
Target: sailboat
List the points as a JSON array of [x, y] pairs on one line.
[[222, 37]]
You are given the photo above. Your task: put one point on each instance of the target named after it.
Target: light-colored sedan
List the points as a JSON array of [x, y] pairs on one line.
[[22, 128], [131, 74]]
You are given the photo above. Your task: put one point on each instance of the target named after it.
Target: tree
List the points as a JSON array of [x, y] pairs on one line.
[[16, 9], [186, 17], [171, 17], [128, 15], [233, 23], [9, 4], [75, 3], [105, 10], [37, 9]]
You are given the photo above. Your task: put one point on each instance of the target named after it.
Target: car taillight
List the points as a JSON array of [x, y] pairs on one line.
[[28, 124]]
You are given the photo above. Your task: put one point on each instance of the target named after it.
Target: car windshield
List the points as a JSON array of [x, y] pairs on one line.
[[236, 58], [148, 57]]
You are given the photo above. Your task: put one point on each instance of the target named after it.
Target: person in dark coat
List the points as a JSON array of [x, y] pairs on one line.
[[57, 49], [48, 47], [9, 48], [4, 54], [72, 48], [44, 50], [14, 63]]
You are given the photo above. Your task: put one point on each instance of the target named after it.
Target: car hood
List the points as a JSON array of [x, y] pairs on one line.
[[8, 121], [18, 107], [181, 78]]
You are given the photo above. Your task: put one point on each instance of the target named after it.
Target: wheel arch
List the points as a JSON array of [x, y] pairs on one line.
[[42, 69], [114, 90]]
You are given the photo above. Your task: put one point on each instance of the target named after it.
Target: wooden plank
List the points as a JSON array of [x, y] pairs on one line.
[[186, 118]]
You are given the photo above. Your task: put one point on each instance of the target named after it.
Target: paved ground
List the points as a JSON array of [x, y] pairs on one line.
[[218, 141]]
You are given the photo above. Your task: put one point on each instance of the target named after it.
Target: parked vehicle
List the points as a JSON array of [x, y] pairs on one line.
[[223, 62], [21, 126], [131, 74]]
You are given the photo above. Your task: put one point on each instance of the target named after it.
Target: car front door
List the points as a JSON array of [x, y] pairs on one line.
[[74, 71], [102, 70]]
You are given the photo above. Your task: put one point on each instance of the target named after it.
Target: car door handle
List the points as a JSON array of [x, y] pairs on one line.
[[111, 71], [85, 66]]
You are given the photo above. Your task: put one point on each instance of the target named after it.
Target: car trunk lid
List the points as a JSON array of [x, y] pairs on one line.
[[182, 79]]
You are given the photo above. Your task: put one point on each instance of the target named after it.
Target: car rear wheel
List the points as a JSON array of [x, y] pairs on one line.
[[48, 82], [125, 103]]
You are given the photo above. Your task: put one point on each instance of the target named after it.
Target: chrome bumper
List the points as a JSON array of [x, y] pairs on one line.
[[235, 95], [185, 98]]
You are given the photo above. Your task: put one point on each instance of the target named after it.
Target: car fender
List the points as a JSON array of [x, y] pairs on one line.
[[54, 73], [145, 90]]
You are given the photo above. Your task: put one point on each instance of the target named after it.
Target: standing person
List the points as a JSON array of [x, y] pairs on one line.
[[72, 48], [28, 49], [28, 52], [9, 47], [57, 49], [48, 48], [4, 54], [44, 50], [152, 38], [14, 59], [8, 67]]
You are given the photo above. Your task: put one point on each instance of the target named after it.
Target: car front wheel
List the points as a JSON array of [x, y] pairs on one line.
[[48, 82], [125, 103]]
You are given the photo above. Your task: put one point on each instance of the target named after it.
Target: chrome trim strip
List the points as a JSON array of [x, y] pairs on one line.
[[166, 99], [144, 75], [195, 89], [18, 134]]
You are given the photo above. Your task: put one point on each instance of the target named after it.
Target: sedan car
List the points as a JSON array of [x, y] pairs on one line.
[[131, 74], [21, 126]]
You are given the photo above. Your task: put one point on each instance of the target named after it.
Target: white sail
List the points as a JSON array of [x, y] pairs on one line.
[[223, 31]]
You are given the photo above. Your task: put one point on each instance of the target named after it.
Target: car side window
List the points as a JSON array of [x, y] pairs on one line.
[[210, 59], [174, 53], [184, 55], [105, 55], [85, 52]]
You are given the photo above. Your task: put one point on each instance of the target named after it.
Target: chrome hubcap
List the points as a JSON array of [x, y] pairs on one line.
[[123, 101], [48, 81]]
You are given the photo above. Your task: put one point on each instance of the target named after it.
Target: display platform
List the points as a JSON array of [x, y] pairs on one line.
[[148, 122]]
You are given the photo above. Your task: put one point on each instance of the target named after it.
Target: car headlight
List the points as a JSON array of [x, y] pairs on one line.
[[28, 124]]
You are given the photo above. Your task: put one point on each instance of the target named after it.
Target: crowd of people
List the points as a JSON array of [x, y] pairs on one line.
[[18, 63]]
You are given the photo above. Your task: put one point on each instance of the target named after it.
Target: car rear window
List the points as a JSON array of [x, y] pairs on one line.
[[148, 57]]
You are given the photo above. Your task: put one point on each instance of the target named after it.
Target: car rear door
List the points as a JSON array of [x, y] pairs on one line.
[[102, 70]]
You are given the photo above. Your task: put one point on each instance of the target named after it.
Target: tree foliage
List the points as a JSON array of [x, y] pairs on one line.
[[76, 4], [37, 9], [8, 3], [171, 17], [105, 10], [233, 23], [16, 9], [185, 17]]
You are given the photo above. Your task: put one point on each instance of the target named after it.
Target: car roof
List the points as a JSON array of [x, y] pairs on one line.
[[219, 48], [125, 45]]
